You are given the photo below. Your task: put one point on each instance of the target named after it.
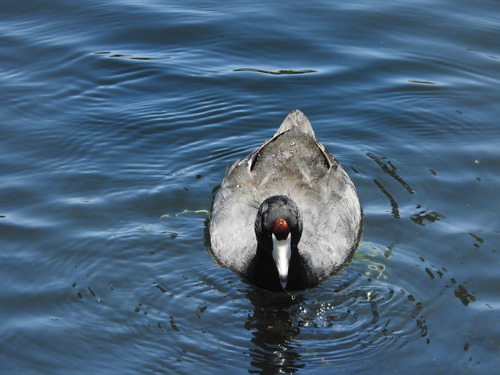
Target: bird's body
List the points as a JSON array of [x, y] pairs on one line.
[[295, 165]]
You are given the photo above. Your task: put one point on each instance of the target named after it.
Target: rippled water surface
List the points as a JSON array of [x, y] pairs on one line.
[[118, 121]]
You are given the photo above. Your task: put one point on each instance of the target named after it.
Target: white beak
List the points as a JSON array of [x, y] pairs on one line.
[[282, 251]]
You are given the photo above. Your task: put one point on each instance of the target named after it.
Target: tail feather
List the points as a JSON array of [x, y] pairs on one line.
[[298, 119]]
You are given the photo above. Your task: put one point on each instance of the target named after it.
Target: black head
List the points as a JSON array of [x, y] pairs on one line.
[[267, 221]]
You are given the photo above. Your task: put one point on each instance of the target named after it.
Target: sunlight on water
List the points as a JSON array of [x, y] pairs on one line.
[[119, 121]]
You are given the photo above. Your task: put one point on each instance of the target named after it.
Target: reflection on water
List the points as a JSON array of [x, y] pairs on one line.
[[394, 204], [390, 169], [423, 215], [463, 295], [279, 72], [461, 291], [420, 217], [357, 312], [133, 112], [273, 329], [129, 57]]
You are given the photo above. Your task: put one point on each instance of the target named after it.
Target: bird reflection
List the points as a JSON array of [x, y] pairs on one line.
[[273, 330]]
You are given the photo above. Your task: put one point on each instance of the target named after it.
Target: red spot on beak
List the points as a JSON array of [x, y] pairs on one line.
[[281, 229]]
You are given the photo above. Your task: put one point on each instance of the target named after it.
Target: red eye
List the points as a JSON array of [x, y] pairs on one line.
[[281, 229]]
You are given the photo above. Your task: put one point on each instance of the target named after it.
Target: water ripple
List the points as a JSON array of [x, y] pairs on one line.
[[119, 118], [274, 72]]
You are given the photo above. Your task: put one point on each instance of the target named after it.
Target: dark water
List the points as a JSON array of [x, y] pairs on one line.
[[118, 119]]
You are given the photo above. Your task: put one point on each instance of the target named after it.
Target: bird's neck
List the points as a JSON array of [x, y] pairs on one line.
[[263, 272]]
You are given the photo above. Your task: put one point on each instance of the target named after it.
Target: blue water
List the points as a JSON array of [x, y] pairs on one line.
[[118, 121]]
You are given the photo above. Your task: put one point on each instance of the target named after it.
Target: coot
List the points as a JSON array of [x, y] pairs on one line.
[[287, 216]]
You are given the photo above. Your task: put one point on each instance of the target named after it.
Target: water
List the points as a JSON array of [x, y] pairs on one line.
[[118, 121]]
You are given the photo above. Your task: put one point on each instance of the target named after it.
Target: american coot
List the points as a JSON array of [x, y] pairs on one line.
[[287, 216]]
